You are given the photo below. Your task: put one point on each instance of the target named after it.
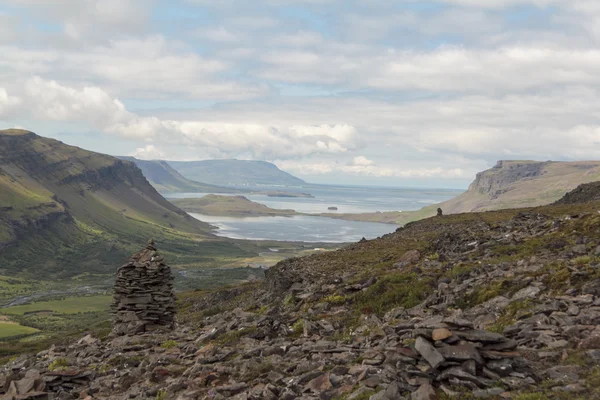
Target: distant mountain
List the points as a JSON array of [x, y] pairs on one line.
[[235, 172], [514, 184], [65, 211], [509, 184], [165, 179]]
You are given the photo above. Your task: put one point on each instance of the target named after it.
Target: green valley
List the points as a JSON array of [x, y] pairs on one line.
[[65, 211]]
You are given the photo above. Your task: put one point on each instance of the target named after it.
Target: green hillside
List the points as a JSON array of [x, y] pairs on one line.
[[65, 211], [235, 172], [165, 179]]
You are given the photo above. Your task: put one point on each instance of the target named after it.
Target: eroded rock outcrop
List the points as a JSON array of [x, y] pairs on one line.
[[144, 300]]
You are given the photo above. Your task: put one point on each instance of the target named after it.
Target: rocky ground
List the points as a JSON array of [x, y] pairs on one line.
[[498, 305]]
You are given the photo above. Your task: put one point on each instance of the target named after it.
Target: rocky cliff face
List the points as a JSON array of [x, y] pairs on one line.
[[497, 180], [514, 184]]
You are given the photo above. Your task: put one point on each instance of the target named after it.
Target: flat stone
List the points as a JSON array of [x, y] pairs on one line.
[[526, 293], [425, 392], [563, 373], [594, 355], [486, 337], [501, 367], [440, 334], [429, 353], [462, 352], [487, 393], [320, 384], [458, 373]]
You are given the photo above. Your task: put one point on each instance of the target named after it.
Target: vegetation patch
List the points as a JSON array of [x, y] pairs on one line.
[[12, 329], [394, 290], [69, 305]]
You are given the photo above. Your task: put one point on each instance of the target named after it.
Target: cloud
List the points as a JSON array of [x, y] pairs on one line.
[[361, 161], [148, 152], [8, 104], [309, 169], [363, 88], [49, 100]]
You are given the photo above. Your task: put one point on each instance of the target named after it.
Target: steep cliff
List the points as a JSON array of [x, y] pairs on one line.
[[513, 184], [73, 211]]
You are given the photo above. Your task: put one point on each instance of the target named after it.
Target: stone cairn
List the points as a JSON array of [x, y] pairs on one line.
[[143, 298]]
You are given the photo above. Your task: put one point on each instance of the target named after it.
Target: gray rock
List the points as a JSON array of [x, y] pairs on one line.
[[462, 352], [486, 337], [425, 392], [487, 393], [429, 353], [527, 293]]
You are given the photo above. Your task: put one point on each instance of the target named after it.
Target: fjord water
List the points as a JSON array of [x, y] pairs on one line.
[[348, 199], [295, 228]]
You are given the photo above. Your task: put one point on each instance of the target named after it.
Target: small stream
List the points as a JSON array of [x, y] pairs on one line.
[[17, 301]]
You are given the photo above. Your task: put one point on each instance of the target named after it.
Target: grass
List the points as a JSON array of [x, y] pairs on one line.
[[11, 329], [394, 290], [69, 305], [58, 365]]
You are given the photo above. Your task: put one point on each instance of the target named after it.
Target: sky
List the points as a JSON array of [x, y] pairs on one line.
[[368, 92]]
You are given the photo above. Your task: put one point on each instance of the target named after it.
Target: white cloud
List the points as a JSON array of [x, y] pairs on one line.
[[362, 88], [49, 100], [361, 161], [310, 169], [8, 104], [148, 152]]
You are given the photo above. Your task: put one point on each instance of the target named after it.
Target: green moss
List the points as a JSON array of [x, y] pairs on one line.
[[394, 290], [232, 337], [162, 394], [298, 327], [289, 300], [169, 344], [58, 365], [582, 260], [513, 312]]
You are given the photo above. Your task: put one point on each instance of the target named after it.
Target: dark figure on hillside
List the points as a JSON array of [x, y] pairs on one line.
[[440, 212]]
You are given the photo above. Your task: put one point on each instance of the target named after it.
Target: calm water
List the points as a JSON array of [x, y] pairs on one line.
[[318, 229], [348, 199], [296, 228]]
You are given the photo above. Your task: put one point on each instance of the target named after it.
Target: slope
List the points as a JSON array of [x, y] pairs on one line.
[[509, 184], [497, 305], [165, 179], [235, 172], [65, 211]]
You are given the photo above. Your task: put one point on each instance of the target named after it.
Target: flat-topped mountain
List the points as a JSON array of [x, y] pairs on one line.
[[513, 184], [235, 172], [65, 211], [509, 184], [167, 180]]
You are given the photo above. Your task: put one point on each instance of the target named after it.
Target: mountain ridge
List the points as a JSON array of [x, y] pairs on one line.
[[168, 180], [76, 211], [233, 172]]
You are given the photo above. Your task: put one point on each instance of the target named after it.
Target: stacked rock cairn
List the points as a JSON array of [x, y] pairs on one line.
[[144, 300]]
